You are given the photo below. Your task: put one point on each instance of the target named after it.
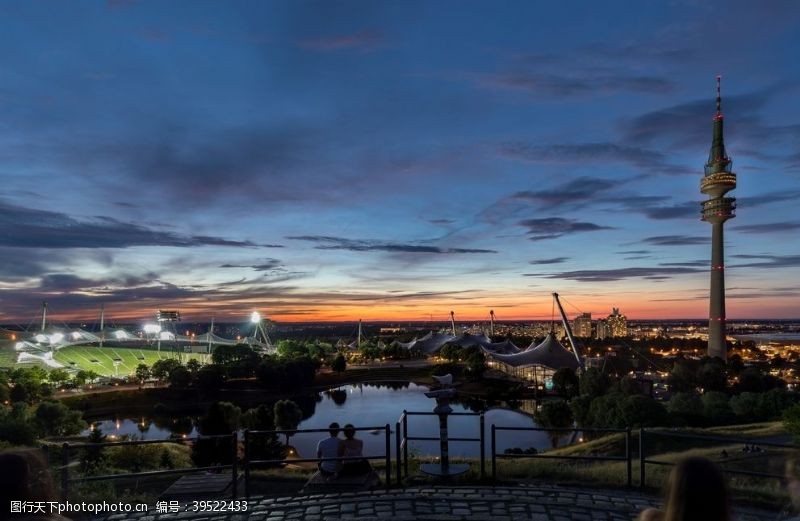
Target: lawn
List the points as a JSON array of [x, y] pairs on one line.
[[101, 359]]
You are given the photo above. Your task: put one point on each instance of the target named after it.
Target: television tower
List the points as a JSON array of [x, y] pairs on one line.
[[717, 181]]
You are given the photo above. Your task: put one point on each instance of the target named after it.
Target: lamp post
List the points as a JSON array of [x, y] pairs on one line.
[[443, 469]]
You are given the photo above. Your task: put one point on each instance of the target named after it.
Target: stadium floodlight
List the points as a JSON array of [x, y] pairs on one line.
[[152, 328], [120, 334], [40, 338], [76, 335], [56, 338], [255, 317]]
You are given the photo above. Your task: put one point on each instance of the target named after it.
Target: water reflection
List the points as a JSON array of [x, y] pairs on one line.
[[373, 405]]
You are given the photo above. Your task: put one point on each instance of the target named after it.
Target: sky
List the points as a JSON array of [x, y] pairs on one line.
[[393, 160]]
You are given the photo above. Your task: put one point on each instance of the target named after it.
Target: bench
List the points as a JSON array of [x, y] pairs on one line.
[[322, 484]]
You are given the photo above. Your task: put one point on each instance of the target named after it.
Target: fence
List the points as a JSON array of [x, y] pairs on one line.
[[403, 438], [402, 442]]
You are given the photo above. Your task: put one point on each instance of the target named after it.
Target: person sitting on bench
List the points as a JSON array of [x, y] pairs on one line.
[[330, 447], [352, 447]]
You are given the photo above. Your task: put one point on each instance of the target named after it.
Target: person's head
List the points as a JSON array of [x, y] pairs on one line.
[[696, 491], [25, 477], [349, 431], [333, 428]]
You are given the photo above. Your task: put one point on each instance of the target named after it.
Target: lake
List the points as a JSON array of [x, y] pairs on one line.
[[369, 405]]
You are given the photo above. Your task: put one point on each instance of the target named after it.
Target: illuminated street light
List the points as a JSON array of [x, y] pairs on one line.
[[255, 317]]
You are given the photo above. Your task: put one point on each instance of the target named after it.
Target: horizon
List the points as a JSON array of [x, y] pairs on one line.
[[392, 162]]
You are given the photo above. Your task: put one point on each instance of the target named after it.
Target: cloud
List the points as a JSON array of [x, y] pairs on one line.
[[675, 240], [768, 227], [442, 222], [574, 191], [554, 260], [769, 261], [338, 243], [591, 153], [266, 265], [686, 263], [611, 275], [362, 40], [554, 227], [565, 86], [34, 228]]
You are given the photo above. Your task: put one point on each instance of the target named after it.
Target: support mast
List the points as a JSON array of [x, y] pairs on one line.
[[568, 329]]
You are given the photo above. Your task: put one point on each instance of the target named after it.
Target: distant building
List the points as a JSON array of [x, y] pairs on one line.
[[582, 325], [602, 331], [617, 323]]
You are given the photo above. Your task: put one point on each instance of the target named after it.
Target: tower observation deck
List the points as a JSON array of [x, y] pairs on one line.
[[718, 180]]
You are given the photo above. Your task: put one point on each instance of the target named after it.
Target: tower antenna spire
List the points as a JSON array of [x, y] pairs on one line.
[[719, 96]]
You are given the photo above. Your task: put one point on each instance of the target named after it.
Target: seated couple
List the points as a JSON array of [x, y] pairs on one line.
[[335, 447]]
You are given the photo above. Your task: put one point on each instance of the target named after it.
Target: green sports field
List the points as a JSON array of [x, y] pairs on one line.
[[101, 359]]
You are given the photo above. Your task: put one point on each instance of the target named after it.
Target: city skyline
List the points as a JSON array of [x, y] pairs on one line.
[[391, 161]]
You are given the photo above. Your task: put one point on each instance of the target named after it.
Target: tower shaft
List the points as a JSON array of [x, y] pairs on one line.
[[716, 316]]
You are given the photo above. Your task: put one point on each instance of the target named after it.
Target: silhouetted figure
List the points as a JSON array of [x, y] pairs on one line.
[[724, 453], [24, 476], [696, 492], [352, 447], [330, 448]]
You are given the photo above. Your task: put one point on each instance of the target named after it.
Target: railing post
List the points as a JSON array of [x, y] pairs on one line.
[[483, 446], [405, 443], [247, 463], [399, 469], [628, 456], [494, 454], [64, 471], [641, 459], [235, 464], [388, 456]]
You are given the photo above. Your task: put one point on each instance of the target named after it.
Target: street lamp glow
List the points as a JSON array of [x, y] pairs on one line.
[[255, 317], [152, 328]]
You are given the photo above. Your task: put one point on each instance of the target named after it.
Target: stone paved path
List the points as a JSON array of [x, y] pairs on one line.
[[441, 503]]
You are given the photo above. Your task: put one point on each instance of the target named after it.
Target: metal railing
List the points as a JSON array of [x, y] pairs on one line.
[[644, 434], [68, 449], [402, 442], [626, 458], [248, 463]]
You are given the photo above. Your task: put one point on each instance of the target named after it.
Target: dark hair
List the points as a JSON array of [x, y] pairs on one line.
[[333, 428], [349, 431], [696, 492], [25, 477]]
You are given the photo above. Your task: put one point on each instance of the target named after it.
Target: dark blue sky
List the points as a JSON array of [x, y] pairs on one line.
[[392, 159]]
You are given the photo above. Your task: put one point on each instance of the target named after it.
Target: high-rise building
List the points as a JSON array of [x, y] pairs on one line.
[[617, 323], [718, 180], [601, 331], [582, 325]]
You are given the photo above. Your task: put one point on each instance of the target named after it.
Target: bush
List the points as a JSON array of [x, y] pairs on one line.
[[716, 408], [791, 421], [686, 409]]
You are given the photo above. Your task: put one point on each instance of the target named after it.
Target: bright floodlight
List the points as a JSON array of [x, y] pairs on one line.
[[255, 317], [40, 338], [76, 335], [152, 328], [56, 338]]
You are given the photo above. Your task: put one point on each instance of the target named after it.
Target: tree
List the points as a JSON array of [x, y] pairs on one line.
[[565, 382], [263, 446], [747, 406], [221, 418], [751, 380], [580, 409], [735, 364], [288, 416], [56, 419], [593, 383], [638, 410], [716, 408], [791, 421], [236, 360], [142, 373], [450, 352], [476, 365], [58, 376], [162, 368], [339, 363], [682, 379], [554, 415], [712, 375], [180, 377], [193, 365], [210, 377], [686, 409]]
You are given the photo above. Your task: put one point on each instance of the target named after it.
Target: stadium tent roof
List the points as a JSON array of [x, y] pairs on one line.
[[505, 347], [468, 340], [550, 353], [215, 339], [432, 342], [406, 345]]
